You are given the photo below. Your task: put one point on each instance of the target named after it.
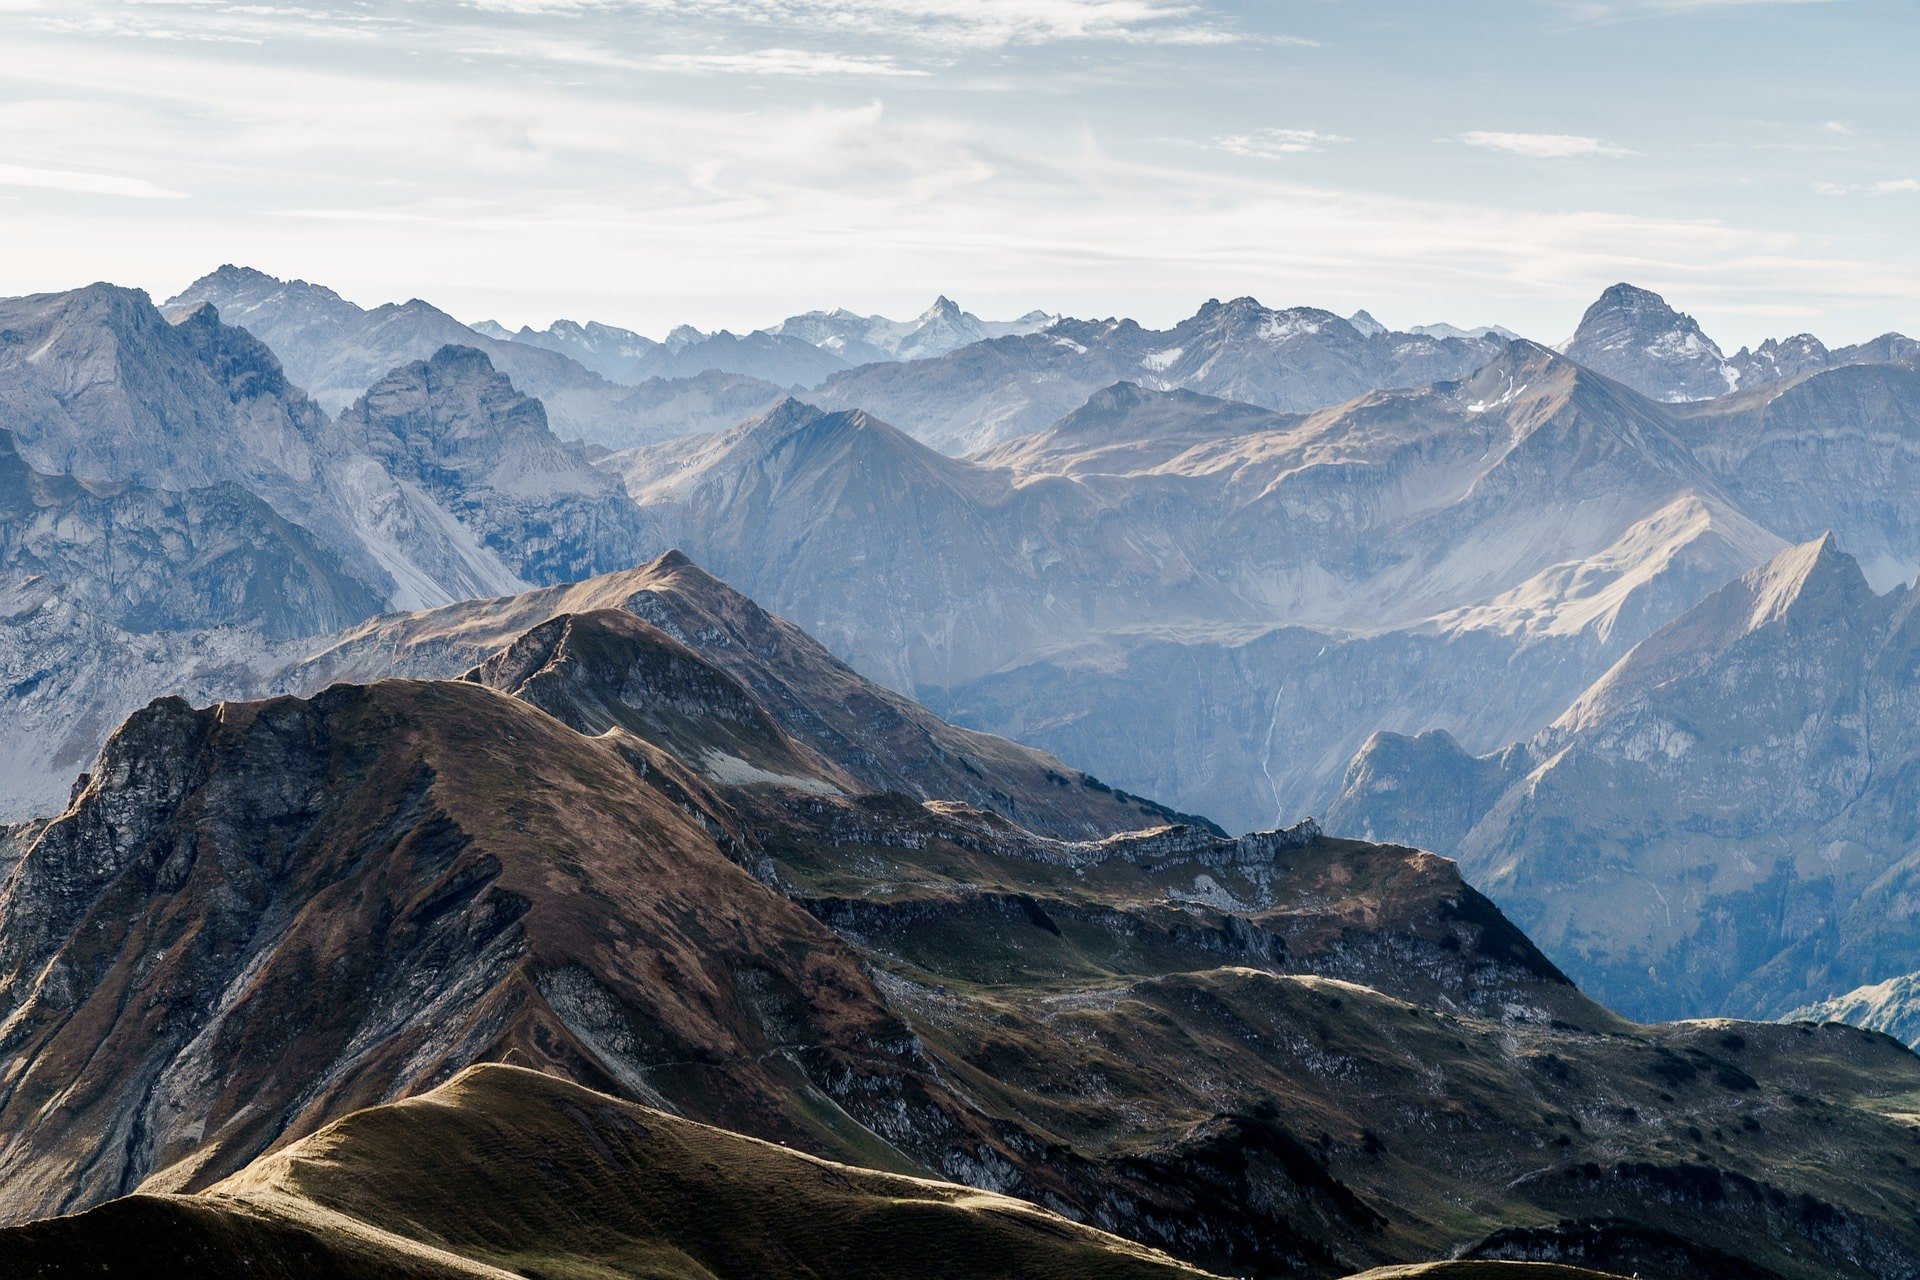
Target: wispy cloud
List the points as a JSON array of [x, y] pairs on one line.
[[1271, 144], [1541, 146], [788, 62], [76, 182], [1885, 187], [1617, 10], [974, 24]]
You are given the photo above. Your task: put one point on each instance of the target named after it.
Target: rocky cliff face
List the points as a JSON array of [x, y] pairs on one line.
[[456, 429], [173, 513], [1633, 336], [1836, 452], [1718, 823], [151, 560], [1328, 1055]]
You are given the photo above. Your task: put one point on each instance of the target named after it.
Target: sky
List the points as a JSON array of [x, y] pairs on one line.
[[729, 162]]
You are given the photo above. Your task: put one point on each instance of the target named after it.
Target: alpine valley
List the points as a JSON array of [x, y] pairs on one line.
[[1274, 796]]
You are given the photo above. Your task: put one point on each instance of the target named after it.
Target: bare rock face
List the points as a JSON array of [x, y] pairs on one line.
[[174, 513], [1633, 336], [1719, 824], [456, 429], [151, 560], [1833, 452]]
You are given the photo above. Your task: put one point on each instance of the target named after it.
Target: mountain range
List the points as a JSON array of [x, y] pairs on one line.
[[1723, 821], [433, 762], [1476, 551], [600, 856]]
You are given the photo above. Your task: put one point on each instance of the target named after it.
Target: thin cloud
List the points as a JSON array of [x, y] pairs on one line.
[[1620, 10], [1886, 187], [973, 24], [1541, 146], [787, 62], [75, 182], [1272, 144]]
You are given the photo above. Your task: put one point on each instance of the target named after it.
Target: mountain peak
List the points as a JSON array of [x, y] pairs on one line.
[[1809, 572], [1630, 295], [457, 358], [229, 273], [1633, 336]]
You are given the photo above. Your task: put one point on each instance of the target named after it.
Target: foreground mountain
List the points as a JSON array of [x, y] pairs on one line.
[[1892, 1006], [1632, 335], [600, 856], [1720, 823], [393, 1191], [1296, 360], [336, 350], [510, 1172]]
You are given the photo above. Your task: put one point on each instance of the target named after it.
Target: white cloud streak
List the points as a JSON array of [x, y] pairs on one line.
[[76, 182], [787, 62], [1273, 144], [1541, 146]]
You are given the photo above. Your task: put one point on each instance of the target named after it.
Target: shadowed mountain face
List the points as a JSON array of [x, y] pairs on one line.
[[153, 560], [605, 857], [454, 427], [1722, 821]]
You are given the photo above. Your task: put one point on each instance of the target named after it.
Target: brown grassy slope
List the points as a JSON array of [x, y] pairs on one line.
[[1337, 1052], [1481, 1271], [525, 1173], [883, 740]]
